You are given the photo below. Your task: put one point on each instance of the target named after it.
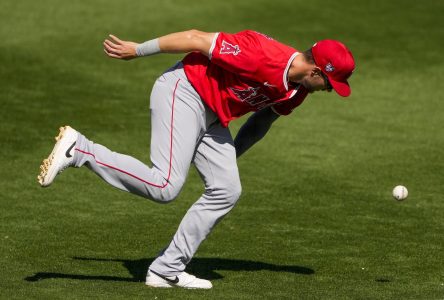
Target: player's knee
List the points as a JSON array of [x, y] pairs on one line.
[[233, 192], [169, 192]]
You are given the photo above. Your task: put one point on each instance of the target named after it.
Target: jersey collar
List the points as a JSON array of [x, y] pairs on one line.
[[285, 75]]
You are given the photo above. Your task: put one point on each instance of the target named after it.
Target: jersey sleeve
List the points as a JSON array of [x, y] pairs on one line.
[[238, 53], [286, 107]]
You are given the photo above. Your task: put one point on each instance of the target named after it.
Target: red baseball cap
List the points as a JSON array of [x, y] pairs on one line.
[[336, 62]]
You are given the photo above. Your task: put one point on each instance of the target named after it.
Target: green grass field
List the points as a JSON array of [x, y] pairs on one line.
[[316, 219]]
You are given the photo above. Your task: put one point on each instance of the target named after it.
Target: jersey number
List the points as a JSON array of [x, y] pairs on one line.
[[228, 48]]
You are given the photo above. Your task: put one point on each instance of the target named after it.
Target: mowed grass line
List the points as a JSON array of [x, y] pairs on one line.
[[316, 219]]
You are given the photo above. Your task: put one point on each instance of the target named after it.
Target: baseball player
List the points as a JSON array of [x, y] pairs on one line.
[[223, 77]]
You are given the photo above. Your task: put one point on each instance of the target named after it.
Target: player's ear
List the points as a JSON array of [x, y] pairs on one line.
[[316, 71]]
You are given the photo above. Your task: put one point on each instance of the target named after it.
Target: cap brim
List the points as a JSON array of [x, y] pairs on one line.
[[341, 87]]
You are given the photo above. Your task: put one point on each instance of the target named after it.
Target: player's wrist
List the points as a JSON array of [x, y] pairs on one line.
[[148, 48]]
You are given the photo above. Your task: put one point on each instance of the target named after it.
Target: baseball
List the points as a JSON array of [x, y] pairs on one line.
[[400, 192]]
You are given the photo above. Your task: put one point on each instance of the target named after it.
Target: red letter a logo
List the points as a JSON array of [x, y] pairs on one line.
[[228, 48]]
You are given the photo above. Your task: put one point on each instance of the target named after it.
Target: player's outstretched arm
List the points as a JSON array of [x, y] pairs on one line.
[[179, 42], [187, 41], [254, 129]]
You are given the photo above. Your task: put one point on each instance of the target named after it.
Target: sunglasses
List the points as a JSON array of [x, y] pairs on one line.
[[328, 86]]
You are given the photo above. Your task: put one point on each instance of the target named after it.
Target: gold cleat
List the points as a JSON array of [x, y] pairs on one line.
[[58, 159]]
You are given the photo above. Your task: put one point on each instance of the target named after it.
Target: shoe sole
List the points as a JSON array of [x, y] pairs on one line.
[[47, 168], [158, 285], [164, 284]]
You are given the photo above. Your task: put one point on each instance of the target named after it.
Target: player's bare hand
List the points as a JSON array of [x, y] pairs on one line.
[[116, 48]]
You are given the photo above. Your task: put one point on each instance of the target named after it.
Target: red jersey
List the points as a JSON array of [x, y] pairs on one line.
[[244, 72]]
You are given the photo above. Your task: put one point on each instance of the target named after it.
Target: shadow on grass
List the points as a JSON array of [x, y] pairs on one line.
[[201, 267]]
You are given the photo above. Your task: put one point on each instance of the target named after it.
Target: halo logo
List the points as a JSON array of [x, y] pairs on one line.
[[329, 68]]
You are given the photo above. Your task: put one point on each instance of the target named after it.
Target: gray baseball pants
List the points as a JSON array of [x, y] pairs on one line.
[[183, 130]]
